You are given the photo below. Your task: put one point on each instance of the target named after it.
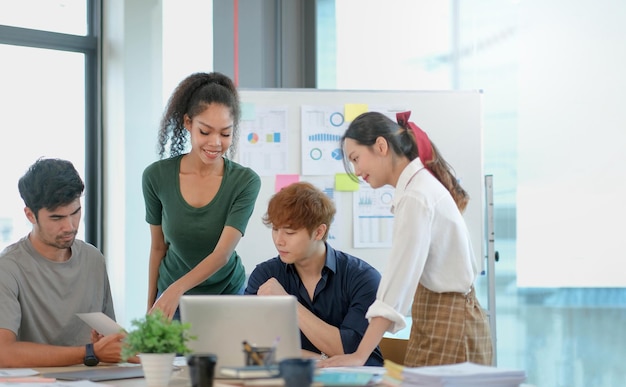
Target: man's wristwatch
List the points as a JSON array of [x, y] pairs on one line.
[[90, 356]]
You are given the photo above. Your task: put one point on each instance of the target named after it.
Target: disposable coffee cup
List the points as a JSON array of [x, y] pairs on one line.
[[297, 372], [201, 369]]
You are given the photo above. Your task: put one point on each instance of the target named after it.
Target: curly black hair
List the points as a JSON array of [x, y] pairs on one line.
[[191, 97]]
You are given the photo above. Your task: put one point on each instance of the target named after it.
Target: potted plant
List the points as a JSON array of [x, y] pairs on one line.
[[156, 340]]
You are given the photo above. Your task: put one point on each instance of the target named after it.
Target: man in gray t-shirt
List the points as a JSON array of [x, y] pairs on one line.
[[48, 276]]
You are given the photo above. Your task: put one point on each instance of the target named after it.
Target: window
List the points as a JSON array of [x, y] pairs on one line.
[[64, 16], [48, 102]]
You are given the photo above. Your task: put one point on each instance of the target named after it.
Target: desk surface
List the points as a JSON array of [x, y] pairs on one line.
[[180, 378]]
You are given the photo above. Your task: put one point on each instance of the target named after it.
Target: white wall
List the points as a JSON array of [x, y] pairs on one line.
[[140, 68], [571, 176]]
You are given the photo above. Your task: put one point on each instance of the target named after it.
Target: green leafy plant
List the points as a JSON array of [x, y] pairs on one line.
[[155, 333]]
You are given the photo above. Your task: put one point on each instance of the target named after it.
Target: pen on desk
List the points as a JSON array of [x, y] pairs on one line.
[[272, 354], [255, 356], [275, 343]]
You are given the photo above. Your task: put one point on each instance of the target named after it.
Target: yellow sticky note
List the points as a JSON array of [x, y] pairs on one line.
[[352, 110], [344, 182]]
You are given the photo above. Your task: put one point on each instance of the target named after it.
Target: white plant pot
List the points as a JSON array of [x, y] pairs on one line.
[[157, 368]]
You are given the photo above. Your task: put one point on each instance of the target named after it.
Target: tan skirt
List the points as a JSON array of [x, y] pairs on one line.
[[448, 328]]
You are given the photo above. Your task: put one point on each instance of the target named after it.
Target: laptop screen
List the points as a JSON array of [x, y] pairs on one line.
[[223, 322]]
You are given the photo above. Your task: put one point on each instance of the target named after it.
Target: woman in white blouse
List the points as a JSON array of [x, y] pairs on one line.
[[431, 266]]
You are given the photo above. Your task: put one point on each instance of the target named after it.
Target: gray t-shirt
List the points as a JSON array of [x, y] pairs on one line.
[[39, 298]]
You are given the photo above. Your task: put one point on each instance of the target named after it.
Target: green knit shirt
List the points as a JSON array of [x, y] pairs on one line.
[[191, 234]]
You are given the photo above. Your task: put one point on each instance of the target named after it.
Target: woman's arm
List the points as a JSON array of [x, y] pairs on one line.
[[158, 248], [168, 302]]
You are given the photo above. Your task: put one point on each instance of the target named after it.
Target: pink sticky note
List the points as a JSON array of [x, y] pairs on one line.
[[284, 180]]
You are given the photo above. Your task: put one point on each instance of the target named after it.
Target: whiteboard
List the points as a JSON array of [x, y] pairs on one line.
[[452, 119]]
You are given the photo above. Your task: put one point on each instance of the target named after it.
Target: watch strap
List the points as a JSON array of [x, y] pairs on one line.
[[90, 356]]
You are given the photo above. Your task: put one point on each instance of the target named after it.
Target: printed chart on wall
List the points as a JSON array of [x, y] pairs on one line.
[[373, 220], [322, 128], [263, 139], [326, 184]]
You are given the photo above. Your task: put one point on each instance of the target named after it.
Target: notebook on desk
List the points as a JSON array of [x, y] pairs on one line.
[[222, 322], [98, 374]]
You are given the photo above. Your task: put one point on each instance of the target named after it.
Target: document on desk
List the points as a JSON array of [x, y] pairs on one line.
[[102, 323], [16, 372], [250, 372], [79, 383]]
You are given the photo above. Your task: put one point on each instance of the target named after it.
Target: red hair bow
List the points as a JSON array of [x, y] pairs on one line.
[[424, 147]]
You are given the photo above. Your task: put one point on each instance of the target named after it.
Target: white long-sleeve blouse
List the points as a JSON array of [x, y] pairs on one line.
[[431, 245]]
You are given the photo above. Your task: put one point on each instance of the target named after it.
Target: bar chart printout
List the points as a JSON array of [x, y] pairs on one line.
[[373, 220], [322, 128], [263, 140]]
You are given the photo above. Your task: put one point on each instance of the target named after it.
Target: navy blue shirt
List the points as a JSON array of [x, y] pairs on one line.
[[342, 296]]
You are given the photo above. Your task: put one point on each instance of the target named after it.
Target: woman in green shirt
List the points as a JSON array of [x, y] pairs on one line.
[[198, 202]]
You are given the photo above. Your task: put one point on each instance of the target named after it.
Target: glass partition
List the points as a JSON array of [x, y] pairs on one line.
[[552, 82]]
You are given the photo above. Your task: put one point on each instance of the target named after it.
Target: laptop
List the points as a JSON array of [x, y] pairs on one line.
[[97, 374], [223, 322]]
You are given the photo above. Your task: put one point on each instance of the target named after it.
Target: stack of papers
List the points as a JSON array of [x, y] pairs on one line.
[[393, 373], [462, 375]]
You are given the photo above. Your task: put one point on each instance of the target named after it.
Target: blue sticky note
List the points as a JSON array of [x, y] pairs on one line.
[[248, 111]]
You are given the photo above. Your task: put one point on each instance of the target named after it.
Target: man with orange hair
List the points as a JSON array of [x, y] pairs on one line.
[[334, 289]]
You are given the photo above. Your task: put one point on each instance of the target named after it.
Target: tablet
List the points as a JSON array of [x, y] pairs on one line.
[[97, 374]]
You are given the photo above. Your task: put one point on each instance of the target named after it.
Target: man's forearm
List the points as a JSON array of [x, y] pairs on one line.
[[25, 354], [324, 336]]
